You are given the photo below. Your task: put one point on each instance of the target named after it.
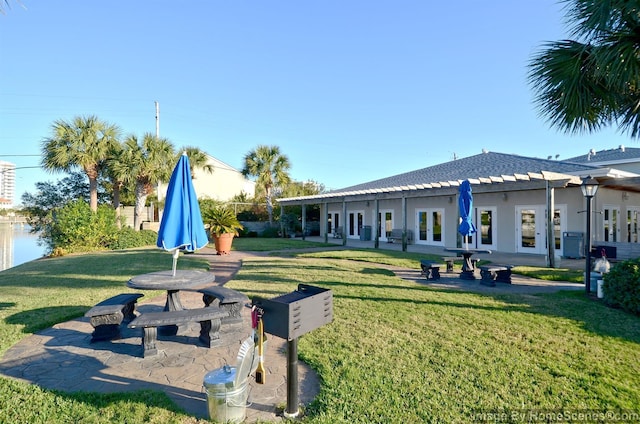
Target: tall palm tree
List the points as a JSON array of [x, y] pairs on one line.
[[118, 173], [82, 143], [593, 81], [270, 168], [145, 163]]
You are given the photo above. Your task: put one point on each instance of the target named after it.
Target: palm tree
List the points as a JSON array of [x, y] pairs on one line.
[[118, 173], [146, 164], [83, 143], [593, 81], [271, 169], [197, 159]]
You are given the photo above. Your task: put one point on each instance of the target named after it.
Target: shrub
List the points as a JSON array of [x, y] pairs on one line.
[[75, 228], [622, 286], [127, 238], [271, 232]]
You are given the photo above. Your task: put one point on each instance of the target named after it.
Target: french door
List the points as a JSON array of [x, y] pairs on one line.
[[355, 221], [429, 227], [611, 223], [530, 226], [487, 229], [633, 224], [333, 221], [385, 224]]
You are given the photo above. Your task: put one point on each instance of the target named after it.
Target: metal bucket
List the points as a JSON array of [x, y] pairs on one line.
[[226, 402]]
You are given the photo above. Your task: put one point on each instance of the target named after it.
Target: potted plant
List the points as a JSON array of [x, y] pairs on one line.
[[223, 226]]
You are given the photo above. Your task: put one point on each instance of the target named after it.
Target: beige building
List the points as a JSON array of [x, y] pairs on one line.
[[223, 184]]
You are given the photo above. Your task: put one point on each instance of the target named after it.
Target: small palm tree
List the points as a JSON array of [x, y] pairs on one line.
[[271, 169], [221, 220], [83, 143]]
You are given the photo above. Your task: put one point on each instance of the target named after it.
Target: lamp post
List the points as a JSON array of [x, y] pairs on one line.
[[589, 188]]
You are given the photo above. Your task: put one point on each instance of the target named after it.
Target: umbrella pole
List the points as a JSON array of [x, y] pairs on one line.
[[176, 253]]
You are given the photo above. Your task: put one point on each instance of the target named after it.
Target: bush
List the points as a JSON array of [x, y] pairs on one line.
[[272, 232], [621, 286], [127, 238], [75, 228]]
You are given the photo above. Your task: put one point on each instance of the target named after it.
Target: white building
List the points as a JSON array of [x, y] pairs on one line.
[[7, 184]]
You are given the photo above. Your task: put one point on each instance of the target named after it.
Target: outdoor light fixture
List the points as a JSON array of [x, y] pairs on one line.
[[589, 189]]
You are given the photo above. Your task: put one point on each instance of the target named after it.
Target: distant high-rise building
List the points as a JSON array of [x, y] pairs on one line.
[[7, 184]]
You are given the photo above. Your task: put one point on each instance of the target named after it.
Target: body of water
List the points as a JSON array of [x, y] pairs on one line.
[[18, 245]]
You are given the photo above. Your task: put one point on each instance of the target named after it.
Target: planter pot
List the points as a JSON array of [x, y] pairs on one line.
[[223, 243]]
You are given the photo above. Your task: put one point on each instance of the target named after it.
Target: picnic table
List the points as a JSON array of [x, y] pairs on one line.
[[165, 280], [468, 267]]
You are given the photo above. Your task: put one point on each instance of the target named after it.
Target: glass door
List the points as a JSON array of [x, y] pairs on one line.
[[429, 227], [611, 223], [486, 227], [333, 222], [530, 229], [632, 224], [385, 224], [355, 223]]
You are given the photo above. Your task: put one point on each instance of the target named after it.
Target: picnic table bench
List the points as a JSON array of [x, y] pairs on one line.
[[210, 320], [107, 315], [494, 272], [396, 236], [225, 299], [431, 269]]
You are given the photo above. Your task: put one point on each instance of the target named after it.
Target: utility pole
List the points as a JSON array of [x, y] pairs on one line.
[[157, 138], [157, 119]]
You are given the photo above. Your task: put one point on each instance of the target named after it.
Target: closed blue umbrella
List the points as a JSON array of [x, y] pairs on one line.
[[465, 204], [181, 227]]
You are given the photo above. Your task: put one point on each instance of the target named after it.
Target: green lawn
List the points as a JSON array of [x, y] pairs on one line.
[[396, 352]]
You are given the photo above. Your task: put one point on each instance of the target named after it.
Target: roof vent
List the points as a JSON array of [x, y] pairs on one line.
[[485, 151], [622, 148]]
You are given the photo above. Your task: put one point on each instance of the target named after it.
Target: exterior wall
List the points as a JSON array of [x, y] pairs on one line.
[[569, 200], [223, 184]]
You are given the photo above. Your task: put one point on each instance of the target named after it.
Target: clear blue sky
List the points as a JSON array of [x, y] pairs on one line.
[[350, 90]]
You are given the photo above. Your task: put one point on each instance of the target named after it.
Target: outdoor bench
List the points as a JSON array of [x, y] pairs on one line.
[[431, 269], [209, 319], [449, 260], [107, 315], [396, 235], [337, 233], [492, 273], [225, 299]]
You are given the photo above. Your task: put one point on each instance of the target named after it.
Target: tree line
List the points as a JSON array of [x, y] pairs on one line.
[[103, 168]]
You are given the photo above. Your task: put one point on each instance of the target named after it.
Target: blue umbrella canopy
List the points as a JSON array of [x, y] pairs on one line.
[[465, 204], [181, 227]]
